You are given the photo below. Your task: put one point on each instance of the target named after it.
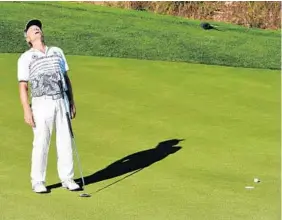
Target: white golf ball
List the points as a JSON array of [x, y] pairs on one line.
[[256, 180]]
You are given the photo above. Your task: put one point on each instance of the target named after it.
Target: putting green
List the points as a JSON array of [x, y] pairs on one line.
[[229, 118]]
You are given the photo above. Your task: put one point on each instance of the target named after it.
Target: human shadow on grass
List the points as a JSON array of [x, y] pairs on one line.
[[132, 163]]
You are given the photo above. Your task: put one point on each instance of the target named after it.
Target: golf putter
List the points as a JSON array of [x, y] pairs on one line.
[[73, 141]]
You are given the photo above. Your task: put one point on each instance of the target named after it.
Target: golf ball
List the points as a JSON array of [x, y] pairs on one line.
[[256, 180]]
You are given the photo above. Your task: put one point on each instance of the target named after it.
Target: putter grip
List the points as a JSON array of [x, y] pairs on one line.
[[67, 115], [61, 86], [62, 91], [69, 124]]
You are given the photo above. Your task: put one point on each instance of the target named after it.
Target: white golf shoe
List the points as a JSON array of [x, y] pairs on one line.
[[70, 185], [39, 188]]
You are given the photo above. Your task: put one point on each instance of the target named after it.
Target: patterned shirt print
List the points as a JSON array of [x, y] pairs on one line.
[[44, 71]]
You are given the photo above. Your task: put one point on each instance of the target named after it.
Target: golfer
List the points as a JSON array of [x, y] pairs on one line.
[[40, 68]]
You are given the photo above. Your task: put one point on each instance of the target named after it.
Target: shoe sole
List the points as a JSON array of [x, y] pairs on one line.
[[77, 189], [42, 192]]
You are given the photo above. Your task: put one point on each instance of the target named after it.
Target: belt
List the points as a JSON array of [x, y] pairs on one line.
[[54, 97]]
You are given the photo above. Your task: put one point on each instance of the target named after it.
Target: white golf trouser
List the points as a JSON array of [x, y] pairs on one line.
[[48, 112]]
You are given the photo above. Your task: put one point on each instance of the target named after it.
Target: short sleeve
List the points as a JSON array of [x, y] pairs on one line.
[[65, 65], [22, 70]]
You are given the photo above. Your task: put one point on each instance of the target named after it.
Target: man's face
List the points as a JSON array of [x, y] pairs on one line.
[[34, 33]]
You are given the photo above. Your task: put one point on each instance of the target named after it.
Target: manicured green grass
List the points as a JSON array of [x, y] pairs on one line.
[[84, 29], [229, 118]]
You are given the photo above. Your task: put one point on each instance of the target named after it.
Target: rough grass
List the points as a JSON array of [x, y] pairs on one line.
[[250, 14], [83, 29]]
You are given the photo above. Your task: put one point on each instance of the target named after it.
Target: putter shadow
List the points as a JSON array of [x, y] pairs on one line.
[[133, 162]]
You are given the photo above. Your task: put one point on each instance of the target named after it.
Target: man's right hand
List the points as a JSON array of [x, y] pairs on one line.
[[28, 117]]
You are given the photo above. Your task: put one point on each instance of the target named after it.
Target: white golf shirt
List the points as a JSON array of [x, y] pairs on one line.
[[43, 70]]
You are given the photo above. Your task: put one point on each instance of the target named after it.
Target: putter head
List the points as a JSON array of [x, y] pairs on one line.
[[84, 195]]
